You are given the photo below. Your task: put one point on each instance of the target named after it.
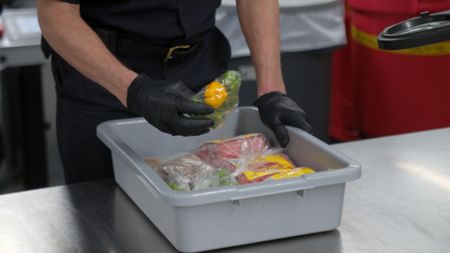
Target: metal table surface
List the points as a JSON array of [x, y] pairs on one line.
[[401, 204]]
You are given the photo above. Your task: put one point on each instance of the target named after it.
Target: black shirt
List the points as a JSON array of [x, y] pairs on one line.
[[161, 22]]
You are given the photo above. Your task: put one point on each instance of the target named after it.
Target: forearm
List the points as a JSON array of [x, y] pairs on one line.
[[260, 21], [67, 33]]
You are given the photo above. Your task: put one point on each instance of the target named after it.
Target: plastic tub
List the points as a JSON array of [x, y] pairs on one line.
[[232, 215]]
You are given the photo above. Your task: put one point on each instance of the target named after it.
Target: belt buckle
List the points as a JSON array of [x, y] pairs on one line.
[[173, 49]]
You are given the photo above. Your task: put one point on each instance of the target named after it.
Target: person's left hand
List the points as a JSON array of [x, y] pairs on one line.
[[277, 110]]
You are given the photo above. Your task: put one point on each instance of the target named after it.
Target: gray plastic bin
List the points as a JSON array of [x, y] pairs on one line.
[[232, 215]]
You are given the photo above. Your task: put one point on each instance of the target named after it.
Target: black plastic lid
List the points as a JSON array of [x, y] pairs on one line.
[[419, 31]]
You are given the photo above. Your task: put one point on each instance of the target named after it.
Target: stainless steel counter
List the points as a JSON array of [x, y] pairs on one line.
[[401, 204]]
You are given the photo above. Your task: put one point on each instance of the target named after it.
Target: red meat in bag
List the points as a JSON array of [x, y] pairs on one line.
[[226, 153]]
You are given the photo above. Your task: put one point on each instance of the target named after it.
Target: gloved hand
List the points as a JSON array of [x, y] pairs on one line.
[[277, 110], [163, 103]]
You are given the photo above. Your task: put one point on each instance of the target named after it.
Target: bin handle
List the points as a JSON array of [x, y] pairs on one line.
[[268, 193]]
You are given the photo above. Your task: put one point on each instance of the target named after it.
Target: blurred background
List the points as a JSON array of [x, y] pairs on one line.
[[332, 67]]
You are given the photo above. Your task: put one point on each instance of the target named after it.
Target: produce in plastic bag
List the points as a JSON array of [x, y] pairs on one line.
[[187, 172], [222, 94], [240, 160], [227, 153], [271, 165]]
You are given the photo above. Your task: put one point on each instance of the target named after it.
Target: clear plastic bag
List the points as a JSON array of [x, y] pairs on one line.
[[271, 165], [222, 94], [227, 153], [187, 172], [240, 160]]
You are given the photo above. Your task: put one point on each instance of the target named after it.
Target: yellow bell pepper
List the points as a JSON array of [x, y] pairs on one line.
[[215, 94], [222, 94]]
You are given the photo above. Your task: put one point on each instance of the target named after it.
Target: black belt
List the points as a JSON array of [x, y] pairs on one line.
[[123, 46]]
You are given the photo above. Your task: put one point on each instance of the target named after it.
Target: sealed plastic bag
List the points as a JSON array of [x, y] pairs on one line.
[[272, 164], [239, 160], [250, 159], [227, 153], [222, 94], [187, 172]]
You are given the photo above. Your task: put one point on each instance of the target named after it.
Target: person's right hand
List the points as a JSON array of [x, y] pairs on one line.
[[163, 104]]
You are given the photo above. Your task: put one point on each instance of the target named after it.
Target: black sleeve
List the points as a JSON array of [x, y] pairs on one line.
[[71, 1]]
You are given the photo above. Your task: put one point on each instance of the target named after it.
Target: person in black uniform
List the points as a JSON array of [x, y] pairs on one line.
[[114, 59]]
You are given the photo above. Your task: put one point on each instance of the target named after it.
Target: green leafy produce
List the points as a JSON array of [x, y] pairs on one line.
[[174, 186], [225, 178]]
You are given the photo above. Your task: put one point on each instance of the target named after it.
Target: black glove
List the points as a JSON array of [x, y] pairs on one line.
[[277, 110], [164, 103]]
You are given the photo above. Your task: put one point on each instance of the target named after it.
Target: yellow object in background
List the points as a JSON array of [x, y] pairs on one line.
[[215, 94], [370, 41]]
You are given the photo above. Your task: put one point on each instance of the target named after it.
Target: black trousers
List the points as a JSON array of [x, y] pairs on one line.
[[83, 155], [82, 104]]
